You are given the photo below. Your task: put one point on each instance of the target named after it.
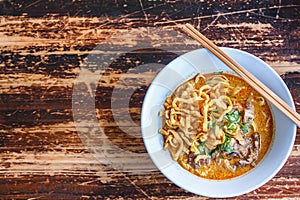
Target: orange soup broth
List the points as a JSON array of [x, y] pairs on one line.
[[264, 123]]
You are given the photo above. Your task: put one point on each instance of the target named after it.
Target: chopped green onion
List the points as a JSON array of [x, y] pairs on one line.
[[226, 144], [229, 149], [231, 126], [233, 117], [246, 127]]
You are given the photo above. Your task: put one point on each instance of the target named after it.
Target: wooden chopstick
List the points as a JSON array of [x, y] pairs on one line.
[[248, 77]]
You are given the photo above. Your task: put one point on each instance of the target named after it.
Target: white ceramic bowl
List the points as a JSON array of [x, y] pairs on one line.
[[183, 68]]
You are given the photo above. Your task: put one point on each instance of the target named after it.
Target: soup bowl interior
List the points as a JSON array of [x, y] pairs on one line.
[[202, 61]]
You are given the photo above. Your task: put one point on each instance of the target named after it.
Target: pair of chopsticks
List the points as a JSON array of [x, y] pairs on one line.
[[248, 77]]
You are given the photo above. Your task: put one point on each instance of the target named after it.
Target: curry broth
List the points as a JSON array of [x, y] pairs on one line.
[[263, 124], [264, 127]]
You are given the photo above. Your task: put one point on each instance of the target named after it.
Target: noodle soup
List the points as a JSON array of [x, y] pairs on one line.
[[216, 126]]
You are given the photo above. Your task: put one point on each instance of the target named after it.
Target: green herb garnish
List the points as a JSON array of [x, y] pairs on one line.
[[231, 126], [226, 144], [246, 127], [233, 117]]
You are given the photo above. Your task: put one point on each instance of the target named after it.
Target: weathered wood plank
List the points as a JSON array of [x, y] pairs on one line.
[[45, 44]]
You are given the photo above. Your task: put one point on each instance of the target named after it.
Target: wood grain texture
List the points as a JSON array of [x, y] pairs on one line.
[[44, 47]]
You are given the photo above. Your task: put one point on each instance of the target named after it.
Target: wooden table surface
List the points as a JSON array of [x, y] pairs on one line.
[[73, 75]]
